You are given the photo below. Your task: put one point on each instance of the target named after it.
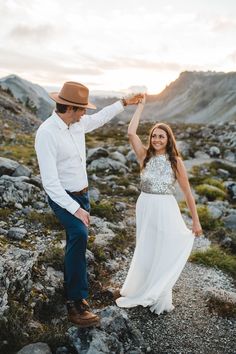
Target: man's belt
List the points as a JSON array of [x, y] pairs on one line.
[[80, 192]]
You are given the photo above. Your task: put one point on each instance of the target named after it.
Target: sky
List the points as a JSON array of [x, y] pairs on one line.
[[114, 45]]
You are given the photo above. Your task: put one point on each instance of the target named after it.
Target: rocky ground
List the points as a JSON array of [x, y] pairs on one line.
[[31, 251]]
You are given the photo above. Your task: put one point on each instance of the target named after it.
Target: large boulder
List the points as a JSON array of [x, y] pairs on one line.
[[221, 301], [15, 273], [116, 335], [18, 190], [13, 168], [96, 153], [107, 164]]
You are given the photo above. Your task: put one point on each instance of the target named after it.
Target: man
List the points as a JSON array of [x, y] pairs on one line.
[[60, 148]]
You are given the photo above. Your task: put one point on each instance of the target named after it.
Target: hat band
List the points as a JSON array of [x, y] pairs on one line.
[[82, 104]]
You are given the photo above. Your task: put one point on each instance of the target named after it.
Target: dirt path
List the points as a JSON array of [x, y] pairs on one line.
[[190, 328]]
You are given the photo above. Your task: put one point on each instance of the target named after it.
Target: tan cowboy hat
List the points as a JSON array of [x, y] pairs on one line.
[[73, 94]]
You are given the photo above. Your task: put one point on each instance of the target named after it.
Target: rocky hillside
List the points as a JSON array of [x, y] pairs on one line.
[[196, 97], [31, 95], [15, 115]]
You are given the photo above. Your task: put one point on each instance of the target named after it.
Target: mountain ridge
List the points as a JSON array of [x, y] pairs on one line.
[[194, 97], [31, 95]]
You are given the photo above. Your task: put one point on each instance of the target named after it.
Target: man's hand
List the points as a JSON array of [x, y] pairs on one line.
[[134, 99], [83, 215]]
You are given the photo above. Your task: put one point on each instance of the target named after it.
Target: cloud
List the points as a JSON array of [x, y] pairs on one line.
[[29, 33], [39, 66], [232, 57], [115, 63], [224, 24]]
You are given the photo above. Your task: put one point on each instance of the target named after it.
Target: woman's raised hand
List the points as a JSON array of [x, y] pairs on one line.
[[135, 99], [143, 99]]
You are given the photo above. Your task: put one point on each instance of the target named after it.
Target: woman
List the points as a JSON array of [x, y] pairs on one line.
[[163, 242]]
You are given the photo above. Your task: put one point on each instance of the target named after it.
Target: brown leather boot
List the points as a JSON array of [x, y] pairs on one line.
[[79, 314]]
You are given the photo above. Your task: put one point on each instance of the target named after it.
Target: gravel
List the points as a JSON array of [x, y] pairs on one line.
[[190, 328]]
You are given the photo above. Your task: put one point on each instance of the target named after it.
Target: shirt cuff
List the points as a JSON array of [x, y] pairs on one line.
[[119, 106], [73, 207]]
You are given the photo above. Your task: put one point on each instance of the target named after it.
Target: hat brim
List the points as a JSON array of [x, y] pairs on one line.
[[54, 96]]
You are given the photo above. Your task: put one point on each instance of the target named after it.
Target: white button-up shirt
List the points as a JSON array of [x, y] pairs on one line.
[[61, 154]]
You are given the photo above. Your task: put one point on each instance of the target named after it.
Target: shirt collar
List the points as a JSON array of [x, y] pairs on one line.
[[61, 124]]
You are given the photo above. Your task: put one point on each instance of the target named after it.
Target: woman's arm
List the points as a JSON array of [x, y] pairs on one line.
[[139, 149], [183, 181]]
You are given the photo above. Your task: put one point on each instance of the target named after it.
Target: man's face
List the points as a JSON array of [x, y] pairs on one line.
[[76, 115]]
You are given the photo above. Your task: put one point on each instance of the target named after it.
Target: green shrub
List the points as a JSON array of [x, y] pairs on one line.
[[206, 220], [211, 192], [4, 213], [54, 257], [120, 241], [216, 257], [47, 219], [215, 182], [104, 209], [13, 331]]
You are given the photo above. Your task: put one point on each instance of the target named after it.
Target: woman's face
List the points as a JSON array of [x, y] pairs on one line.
[[159, 141]]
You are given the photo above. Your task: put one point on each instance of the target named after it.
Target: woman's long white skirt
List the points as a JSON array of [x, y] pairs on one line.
[[163, 245]]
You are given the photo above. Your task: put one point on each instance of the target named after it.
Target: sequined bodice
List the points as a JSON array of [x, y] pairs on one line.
[[158, 177]]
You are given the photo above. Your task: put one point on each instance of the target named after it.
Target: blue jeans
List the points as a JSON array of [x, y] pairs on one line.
[[75, 265]]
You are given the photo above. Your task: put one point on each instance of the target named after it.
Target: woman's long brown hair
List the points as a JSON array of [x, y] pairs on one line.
[[171, 147]]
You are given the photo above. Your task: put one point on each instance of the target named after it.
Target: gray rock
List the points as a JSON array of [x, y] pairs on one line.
[[103, 230], [131, 157], [96, 153], [214, 151], [103, 164], [116, 335], [120, 206], [102, 238], [94, 194], [17, 233], [201, 155], [17, 190], [221, 295], [232, 190], [39, 205], [183, 147], [89, 256], [215, 212], [54, 277], [230, 156], [133, 188], [15, 273], [22, 170], [35, 348], [223, 173], [7, 166], [3, 231], [116, 155], [104, 343], [18, 206], [230, 221], [226, 242]]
